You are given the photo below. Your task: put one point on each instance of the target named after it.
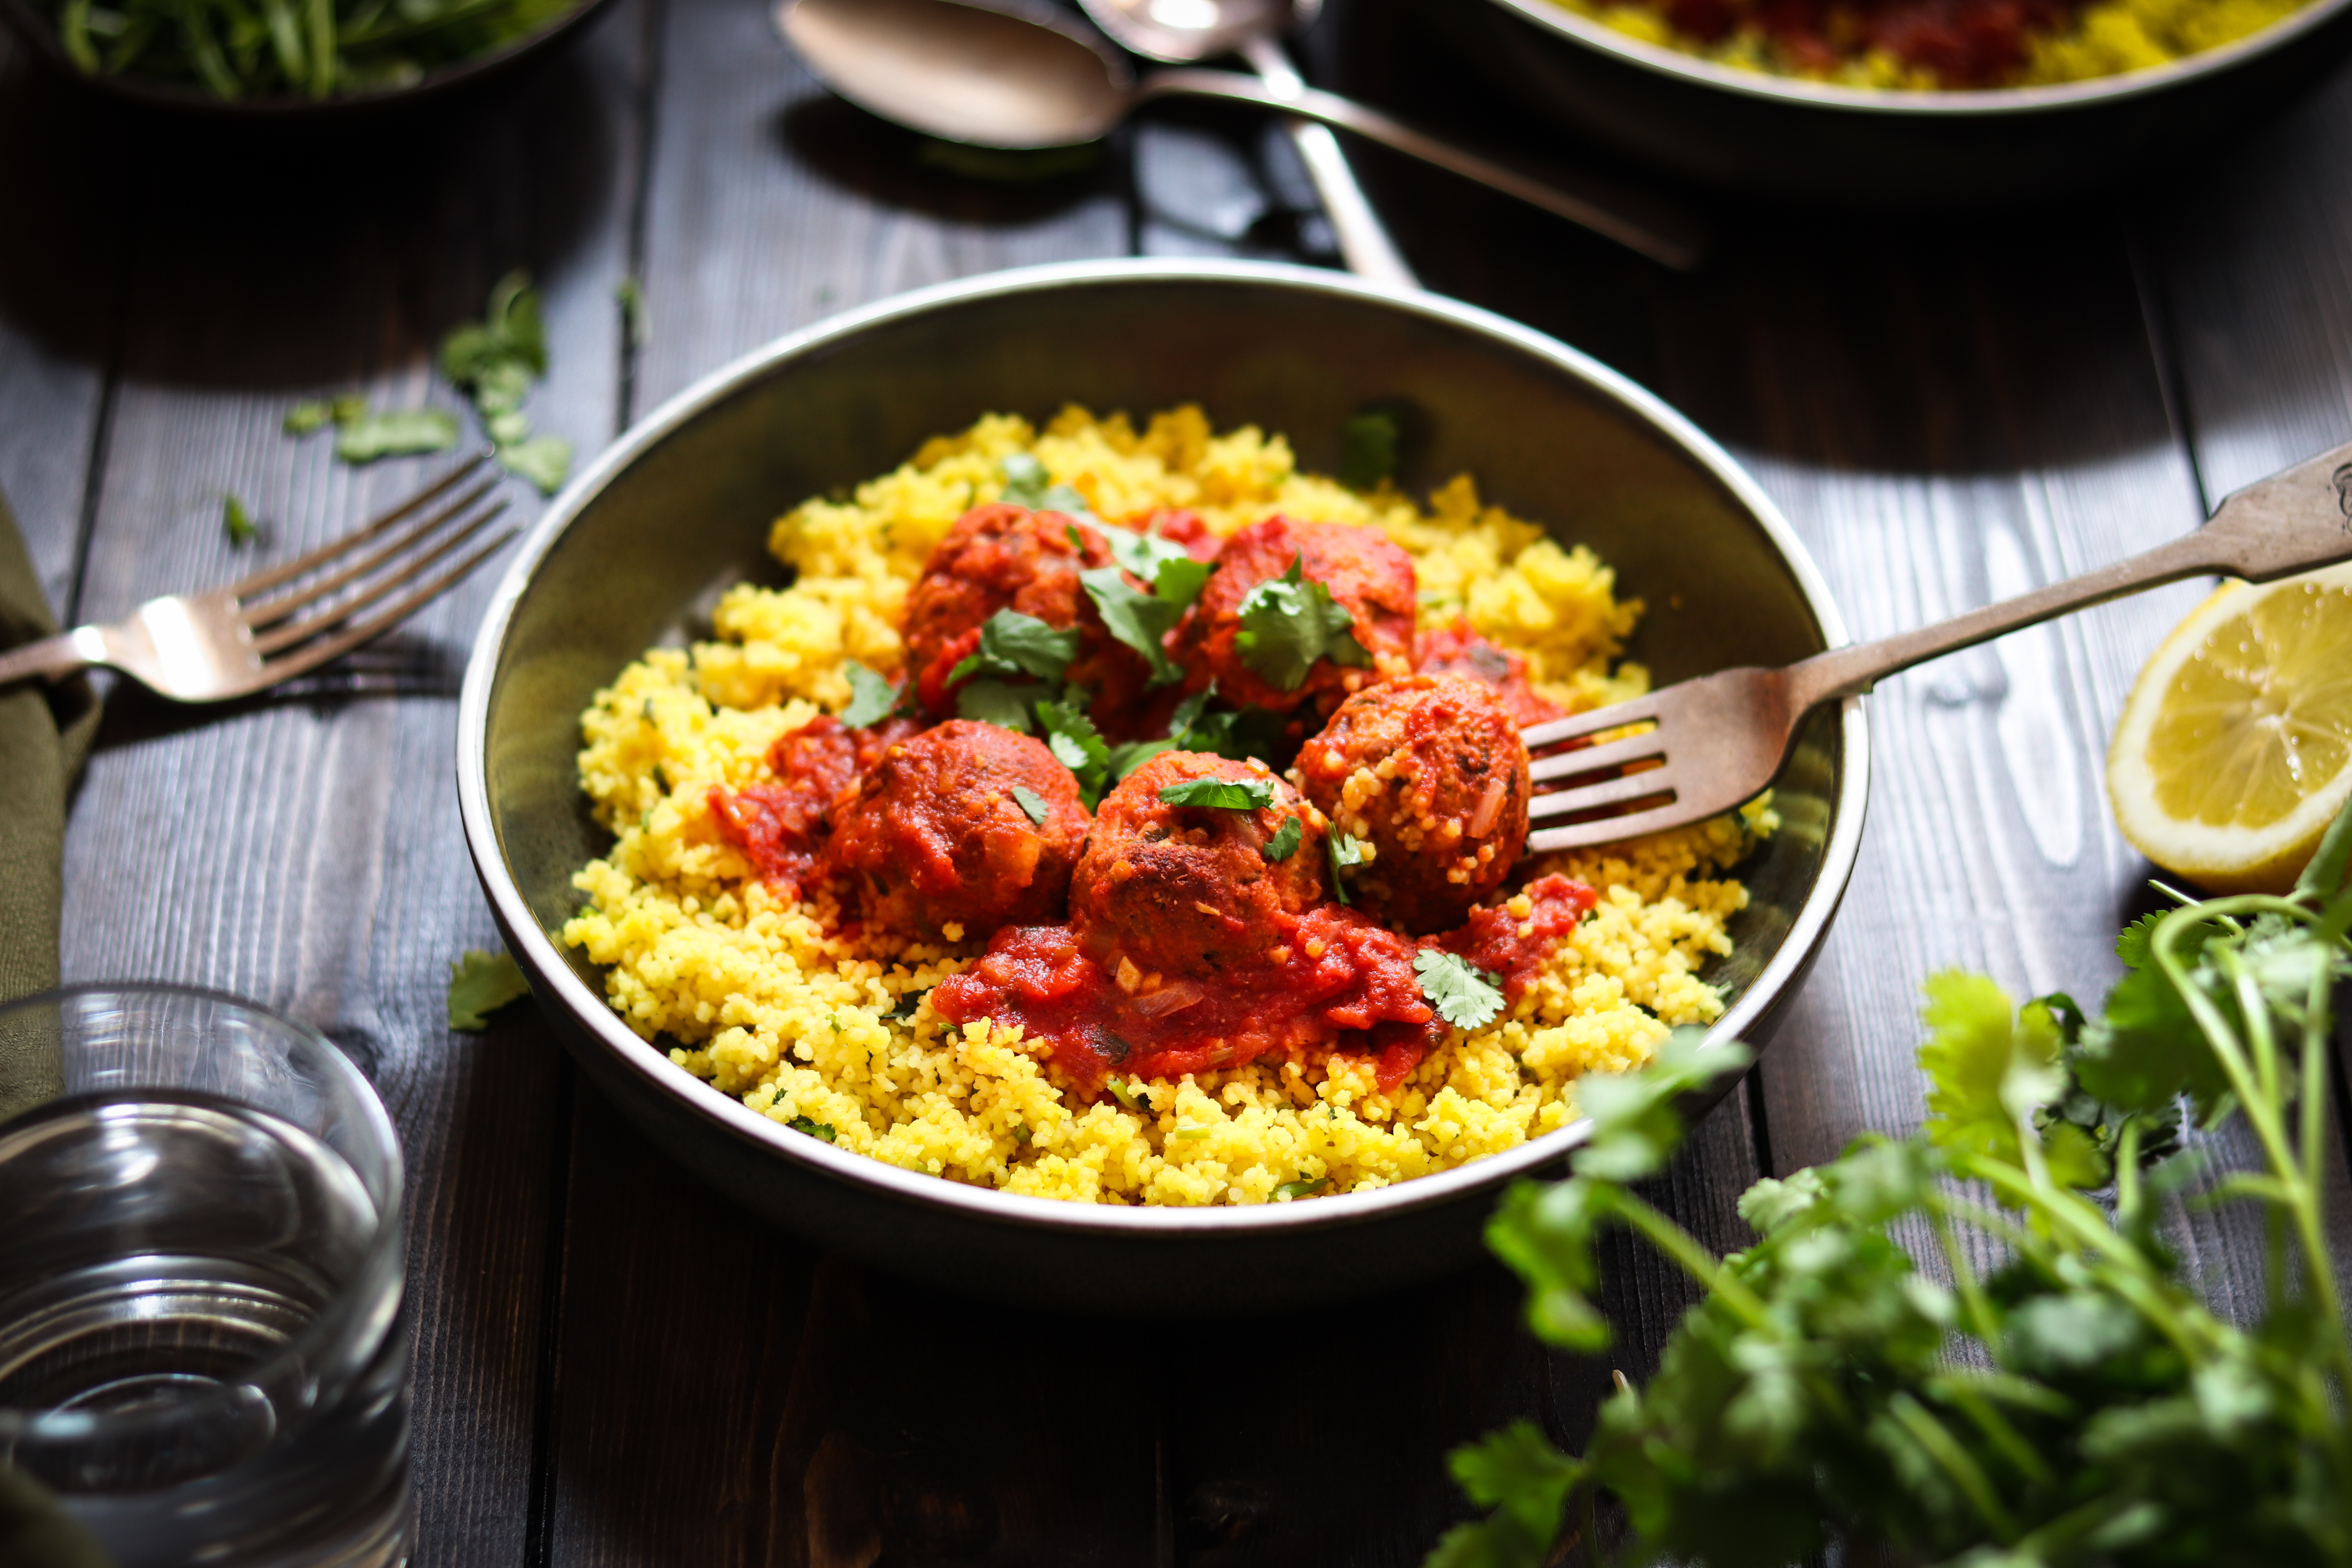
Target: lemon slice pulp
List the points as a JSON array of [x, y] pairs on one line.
[[2234, 751]]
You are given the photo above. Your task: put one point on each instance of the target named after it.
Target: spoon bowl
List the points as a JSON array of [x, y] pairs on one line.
[[1179, 32]]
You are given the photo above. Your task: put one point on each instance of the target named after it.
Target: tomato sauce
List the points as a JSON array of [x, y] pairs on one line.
[[781, 827], [1516, 947], [1961, 43]]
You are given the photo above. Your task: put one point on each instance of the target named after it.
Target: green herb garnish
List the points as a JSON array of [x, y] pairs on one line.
[[1368, 450], [1027, 483], [1128, 1096], [636, 331], [815, 1129], [1221, 794], [1290, 622], [2080, 1404], [494, 362], [1032, 803], [1284, 842], [308, 418], [1346, 852], [871, 698], [994, 702], [1142, 621], [1078, 746], [1303, 1188], [1464, 997], [401, 432], [479, 985], [909, 1005], [1012, 644], [238, 523]]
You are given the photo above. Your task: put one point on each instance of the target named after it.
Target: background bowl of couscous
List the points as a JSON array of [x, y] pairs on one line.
[[2108, 91], [645, 546]]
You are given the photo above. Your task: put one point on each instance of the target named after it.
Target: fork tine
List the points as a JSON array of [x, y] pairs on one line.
[[344, 642], [1592, 721], [275, 575], [1595, 758], [285, 604], [1615, 791], [1608, 830], [294, 632]]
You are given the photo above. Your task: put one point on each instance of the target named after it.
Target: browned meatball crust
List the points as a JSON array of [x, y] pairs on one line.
[[1187, 890], [934, 833], [1431, 773], [1369, 576]]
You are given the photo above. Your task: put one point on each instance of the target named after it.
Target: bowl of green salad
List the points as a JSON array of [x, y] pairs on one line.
[[288, 58]]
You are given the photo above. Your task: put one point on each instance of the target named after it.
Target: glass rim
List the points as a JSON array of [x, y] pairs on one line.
[[384, 1254]]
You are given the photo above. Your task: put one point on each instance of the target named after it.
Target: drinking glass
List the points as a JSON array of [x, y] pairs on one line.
[[202, 1348]]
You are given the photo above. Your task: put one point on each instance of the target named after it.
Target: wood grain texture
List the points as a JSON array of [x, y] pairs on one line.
[[303, 849]]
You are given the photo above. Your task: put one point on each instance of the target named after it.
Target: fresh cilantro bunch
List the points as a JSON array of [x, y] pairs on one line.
[[2078, 1403]]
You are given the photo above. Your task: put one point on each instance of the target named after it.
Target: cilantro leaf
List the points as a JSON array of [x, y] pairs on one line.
[[1030, 801], [238, 523], [545, 461], [1128, 756], [909, 1005], [1284, 842], [307, 418], [479, 985], [1078, 746], [403, 433], [1221, 794], [871, 698], [994, 702], [1464, 997], [815, 1129], [1985, 1071], [1141, 620], [1027, 483], [1290, 622], [1345, 852], [1368, 450], [1012, 644]]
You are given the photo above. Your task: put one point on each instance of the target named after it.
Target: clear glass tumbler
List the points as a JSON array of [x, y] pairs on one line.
[[202, 1349]]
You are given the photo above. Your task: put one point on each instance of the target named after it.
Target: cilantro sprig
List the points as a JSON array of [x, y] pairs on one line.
[[1464, 994], [1290, 622], [2082, 1405]]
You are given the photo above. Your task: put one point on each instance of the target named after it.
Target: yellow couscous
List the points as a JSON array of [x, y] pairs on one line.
[[834, 1034]]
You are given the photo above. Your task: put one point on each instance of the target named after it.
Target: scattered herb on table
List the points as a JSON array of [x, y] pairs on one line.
[[2079, 1405], [238, 523], [494, 361], [479, 985], [1290, 622], [1032, 804], [1464, 996], [290, 49], [1368, 450], [310, 418], [636, 331], [872, 698], [1284, 842], [1221, 794], [395, 433]]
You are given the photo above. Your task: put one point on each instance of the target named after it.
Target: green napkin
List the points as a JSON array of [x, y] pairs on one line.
[[44, 732]]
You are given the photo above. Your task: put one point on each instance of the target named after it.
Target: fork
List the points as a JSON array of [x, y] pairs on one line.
[[1718, 741], [274, 625]]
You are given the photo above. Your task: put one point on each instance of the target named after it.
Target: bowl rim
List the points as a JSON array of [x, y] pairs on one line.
[[1969, 104], [557, 982]]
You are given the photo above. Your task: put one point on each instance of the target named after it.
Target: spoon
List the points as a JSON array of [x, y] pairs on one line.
[[964, 73], [1179, 32]]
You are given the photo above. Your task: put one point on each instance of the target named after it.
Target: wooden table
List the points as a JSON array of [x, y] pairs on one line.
[[614, 1365]]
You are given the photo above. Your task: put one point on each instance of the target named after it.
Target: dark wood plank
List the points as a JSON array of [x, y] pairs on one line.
[[303, 849]]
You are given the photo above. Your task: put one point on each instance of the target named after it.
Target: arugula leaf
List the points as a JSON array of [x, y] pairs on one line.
[[479, 985], [1026, 485], [1078, 746], [1464, 997], [1284, 842], [1344, 852], [1368, 450], [1290, 622], [994, 702], [815, 1129], [238, 523], [1221, 794], [1012, 644], [402, 433], [1032, 803], [871, 698]]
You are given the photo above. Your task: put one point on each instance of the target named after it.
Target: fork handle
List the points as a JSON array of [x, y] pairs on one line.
[[51, 658], [2293, 521]]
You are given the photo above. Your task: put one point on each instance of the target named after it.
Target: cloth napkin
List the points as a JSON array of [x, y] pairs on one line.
[[44, 732]]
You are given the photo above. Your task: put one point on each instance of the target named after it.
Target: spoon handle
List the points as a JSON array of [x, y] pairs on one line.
[[1364, 242], [1672, 238]]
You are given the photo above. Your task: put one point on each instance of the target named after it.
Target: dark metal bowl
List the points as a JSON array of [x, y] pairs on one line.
[[30, 24], [638, 545], [1773, 135]]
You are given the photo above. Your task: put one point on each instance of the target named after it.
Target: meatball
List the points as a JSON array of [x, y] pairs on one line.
[[1431, 773], [1004, 557], [934, 834], [1456, 650], [1369, 577], [781, 827], [1191, 890]]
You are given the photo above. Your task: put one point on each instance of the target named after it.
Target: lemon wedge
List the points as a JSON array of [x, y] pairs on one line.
[[2234, 751]]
